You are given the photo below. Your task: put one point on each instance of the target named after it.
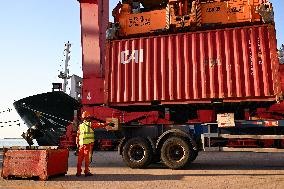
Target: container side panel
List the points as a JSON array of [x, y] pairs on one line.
[[202, 65], [195, 67], [237, 63], [259, 63], [119, 73], [246, 62], [255, 73], [220, 61], [148, 76], [171, 67], [163, 56], [274, 58], [187, 66], [141, 79], [167, 73], [223, 64], [229, 64], [179, 52], [265, 62], [114, 73]]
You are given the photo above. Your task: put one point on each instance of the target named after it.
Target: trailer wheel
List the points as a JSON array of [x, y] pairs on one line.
[[194, 155], [137, 153], [176, 153], [156, 158]]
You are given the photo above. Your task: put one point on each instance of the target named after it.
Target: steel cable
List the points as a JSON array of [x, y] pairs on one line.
[[46, 114]]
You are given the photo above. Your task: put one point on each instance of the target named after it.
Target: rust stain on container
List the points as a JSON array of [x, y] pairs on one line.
[[238, 64], [34, 163]]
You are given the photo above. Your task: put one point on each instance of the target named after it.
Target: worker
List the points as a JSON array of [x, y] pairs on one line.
[[85, 141]]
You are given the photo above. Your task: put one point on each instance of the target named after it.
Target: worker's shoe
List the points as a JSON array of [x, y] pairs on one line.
[[78, 174], [88, 174]]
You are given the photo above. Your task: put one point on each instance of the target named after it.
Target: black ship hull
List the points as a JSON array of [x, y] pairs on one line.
[[49, 113]]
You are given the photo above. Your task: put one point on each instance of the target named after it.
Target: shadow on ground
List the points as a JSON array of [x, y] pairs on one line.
[[215, 165], [147, 177], [206, 161]]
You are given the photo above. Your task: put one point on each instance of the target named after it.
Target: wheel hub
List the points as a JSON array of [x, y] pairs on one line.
[[136, 153], [176, 152]]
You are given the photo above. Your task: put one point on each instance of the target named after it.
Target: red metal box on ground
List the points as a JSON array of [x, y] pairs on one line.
[[40, 163], [233, 64]]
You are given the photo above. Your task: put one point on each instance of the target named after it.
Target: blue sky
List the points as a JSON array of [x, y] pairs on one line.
[[32, 37]]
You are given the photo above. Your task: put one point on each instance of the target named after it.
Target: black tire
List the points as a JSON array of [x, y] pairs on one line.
[[137, 153], [177, 153], [194, 155], [156, 158]]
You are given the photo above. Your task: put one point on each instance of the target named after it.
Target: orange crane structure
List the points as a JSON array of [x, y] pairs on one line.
[[187, 15]]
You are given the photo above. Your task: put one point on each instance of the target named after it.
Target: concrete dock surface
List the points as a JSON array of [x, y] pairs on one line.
[[210, 170]]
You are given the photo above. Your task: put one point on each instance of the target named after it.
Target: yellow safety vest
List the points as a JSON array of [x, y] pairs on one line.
[[86, 133]]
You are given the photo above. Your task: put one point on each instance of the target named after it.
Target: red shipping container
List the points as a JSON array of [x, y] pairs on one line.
[[34, 163], [234, 64]]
